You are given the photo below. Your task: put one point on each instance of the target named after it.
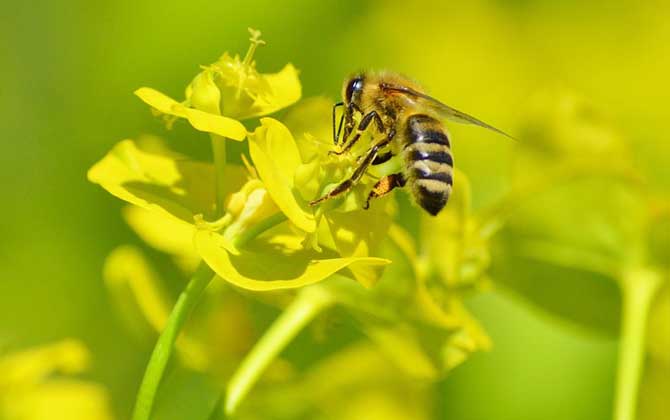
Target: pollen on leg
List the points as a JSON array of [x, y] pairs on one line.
[[384, 186]]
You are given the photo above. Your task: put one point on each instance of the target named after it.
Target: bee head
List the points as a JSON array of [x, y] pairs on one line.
[[353, 86]]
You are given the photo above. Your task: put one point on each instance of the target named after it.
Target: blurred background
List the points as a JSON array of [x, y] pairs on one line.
[[69, 70]]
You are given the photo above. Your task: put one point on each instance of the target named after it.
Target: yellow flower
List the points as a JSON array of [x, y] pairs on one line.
[[229, 90], [284, 178], [286, 259], [172, 186], [254, 227], [32, 385], [342, 223]]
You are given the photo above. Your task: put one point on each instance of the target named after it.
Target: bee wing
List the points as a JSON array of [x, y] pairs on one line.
[[442, 109]]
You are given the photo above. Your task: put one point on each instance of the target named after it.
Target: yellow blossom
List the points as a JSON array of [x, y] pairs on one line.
[[172, 186], [32, 388], [254, 228], [229, 90]]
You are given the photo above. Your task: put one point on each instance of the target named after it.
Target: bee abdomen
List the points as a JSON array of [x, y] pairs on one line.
[[428, 162]]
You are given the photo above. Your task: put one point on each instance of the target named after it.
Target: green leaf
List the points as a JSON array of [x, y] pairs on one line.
[[579, 295], [564, 249]]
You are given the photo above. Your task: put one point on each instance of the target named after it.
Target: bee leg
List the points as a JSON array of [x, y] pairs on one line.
[[348, 118], [385, 186], [362, 126], [382, 158], [340, 189], [358, 173], [336, 135]]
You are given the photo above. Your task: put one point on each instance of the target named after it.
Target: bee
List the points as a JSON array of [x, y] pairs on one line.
[[409, 123]]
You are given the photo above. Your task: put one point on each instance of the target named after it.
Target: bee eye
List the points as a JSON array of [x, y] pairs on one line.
[[354, 85]]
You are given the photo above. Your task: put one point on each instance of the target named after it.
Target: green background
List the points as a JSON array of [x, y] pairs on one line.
[[69, 69]]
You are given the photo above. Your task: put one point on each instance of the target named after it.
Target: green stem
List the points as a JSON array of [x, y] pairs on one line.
[[165, 344], [638, 288], [260, 227], [219, 152], [308, 304]]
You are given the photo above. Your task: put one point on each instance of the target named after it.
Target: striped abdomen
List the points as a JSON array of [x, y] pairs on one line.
[[428, 162]]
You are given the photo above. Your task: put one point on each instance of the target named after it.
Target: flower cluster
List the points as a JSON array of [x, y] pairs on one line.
[[251, 225], [276, 189]]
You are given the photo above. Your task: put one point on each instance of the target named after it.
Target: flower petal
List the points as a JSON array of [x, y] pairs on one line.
[[32, 366], [258, 206], [285, 90], [160, 182], [265, 268], [200, 120], [158, 101], [58, 399], [358, 234], [203, 94], [216, 124], [245, 93], [276, 159], [130, 278], [152, 228]]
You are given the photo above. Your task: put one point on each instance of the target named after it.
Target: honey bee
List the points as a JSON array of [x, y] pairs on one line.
[[410, 125]]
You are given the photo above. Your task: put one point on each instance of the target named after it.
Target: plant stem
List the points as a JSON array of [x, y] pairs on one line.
[[258, 228], [219, 153], [638, 288], [165, 344], [308, 304]]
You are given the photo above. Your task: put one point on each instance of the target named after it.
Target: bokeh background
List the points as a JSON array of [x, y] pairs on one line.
[[69, 69]]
